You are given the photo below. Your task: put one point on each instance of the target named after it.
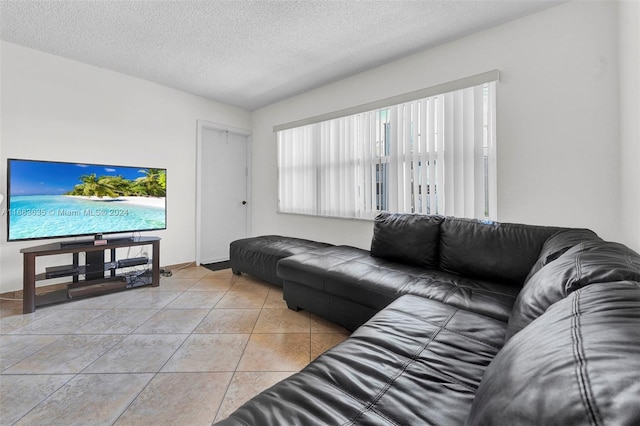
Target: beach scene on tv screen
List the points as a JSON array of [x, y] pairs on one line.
[[49, 199]]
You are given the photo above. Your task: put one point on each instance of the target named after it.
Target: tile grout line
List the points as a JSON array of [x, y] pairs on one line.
[[73, 375], [231, 285], [235, 370], [155, 374], [178, 348]]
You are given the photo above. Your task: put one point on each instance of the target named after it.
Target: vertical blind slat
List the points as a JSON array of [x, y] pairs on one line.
[[424, 158], [441, 206], [415, 146], [468, 144], [478, 152], [432, 155], [492, 160], [449, 155]]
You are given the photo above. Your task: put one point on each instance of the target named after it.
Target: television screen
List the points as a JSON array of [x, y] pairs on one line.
[[48, 199]]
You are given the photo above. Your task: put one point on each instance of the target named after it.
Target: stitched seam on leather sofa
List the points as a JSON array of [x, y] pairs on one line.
[[399, 270], [355, 259], [432, 370], [454, 289], [632, 265], [578, 266], [358, 400], [486, 291], [403, 290], [402, 369], [450, 330], [582, 375]]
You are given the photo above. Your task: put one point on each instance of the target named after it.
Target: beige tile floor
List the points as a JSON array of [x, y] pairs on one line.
[[186, 353]]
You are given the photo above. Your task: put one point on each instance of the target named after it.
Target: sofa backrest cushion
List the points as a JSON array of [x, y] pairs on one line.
[[407, 238], [578, 364], [557, 244], [502, 252], [586, 263]]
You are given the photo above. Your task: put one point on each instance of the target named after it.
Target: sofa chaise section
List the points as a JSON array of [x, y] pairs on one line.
[[416, 362]]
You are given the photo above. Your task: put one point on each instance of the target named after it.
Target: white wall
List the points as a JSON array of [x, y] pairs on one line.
[[57, 109], [557, 109], [630, 121]]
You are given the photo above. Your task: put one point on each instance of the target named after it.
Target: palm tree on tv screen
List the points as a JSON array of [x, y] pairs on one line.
[[154, 182], [94, 186]]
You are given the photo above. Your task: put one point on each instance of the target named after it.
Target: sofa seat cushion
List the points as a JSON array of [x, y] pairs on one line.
[[418, 361], [577, 364], [353, 274], [258, 256]]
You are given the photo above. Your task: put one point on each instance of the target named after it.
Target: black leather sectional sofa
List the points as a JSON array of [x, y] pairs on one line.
[[465, 322]]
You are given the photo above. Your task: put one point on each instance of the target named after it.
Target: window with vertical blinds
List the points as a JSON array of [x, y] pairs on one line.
[[434, 155]]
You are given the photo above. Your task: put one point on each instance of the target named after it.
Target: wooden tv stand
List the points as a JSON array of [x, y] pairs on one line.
[[95, 281]]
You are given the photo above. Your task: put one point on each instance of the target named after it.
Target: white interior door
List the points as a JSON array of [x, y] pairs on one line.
[[222, 192]]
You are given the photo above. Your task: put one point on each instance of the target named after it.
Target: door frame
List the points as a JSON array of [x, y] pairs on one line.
[[201, 125]]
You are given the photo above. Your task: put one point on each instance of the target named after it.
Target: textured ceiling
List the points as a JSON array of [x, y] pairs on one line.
[[247, 53]]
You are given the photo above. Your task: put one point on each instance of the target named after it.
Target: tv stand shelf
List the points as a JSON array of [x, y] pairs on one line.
[[95, 281]]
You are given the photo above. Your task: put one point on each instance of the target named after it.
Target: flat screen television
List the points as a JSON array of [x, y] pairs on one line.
[[52, 199]]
